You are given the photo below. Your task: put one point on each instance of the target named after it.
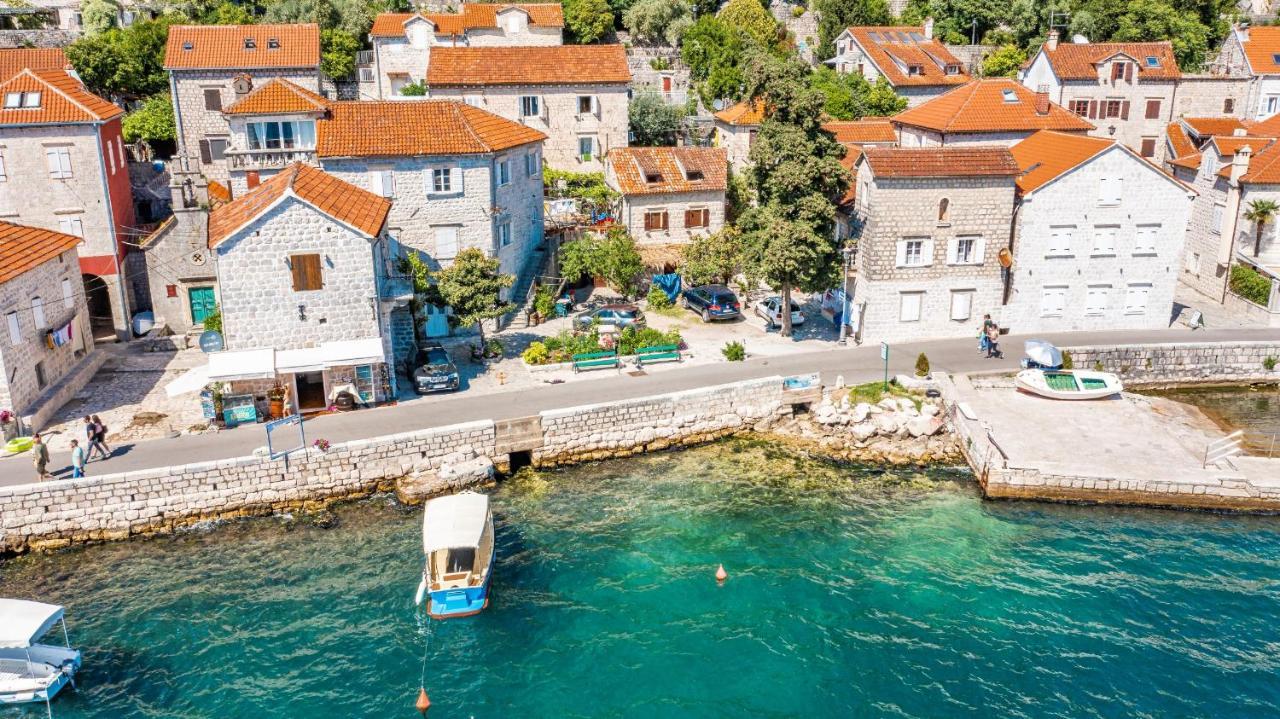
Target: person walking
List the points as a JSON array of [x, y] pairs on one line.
[[100, 437], [89, 433], [984, 344], [40, 457], [993, 341], [77, 459]]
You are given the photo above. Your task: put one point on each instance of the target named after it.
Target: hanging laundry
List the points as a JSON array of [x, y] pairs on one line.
[[59, 337]]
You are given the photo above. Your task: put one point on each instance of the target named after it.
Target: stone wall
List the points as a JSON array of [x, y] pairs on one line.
[[634, 208], [1212, 95], [1190, 363]]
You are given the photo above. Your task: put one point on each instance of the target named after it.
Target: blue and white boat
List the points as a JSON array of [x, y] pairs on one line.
[[31, 672], [457, 541]]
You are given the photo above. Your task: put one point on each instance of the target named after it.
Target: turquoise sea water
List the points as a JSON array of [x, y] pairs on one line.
[[850, 594]]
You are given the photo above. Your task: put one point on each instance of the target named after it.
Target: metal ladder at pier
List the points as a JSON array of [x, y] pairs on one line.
[[1220, 451]]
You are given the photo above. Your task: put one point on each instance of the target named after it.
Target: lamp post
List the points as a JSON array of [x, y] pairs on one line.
[[845, 304]]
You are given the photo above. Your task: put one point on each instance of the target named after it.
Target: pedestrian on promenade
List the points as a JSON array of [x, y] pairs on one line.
[[993, 341], [40, 457], [77, 459], [99, 438], [89, 435], [982, 335]]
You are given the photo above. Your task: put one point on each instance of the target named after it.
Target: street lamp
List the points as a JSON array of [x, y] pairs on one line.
[[845, 304]]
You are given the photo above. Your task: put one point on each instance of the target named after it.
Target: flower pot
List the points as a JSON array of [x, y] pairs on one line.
[[277, 408]]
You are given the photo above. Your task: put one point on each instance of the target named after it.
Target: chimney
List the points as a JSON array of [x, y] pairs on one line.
[[1052, 43], [1242, 31], [928, 28], [1240, 164], [1042, 100]]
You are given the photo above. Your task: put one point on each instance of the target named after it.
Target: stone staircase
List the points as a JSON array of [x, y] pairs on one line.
[[518, 319]]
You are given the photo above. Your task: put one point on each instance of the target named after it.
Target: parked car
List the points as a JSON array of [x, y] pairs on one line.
[[620, 316], [770, 310], [434, 370], [713, 302]]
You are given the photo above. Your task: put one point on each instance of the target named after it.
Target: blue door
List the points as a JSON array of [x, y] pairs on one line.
[[203, 304]]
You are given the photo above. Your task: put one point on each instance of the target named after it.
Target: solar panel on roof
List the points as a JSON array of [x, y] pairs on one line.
[[874, 37], [902, 37], [916, 36]]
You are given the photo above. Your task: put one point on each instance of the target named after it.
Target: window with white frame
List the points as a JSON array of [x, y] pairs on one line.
[[446, 237], [59, 159], [383, 182], [1144, 239], [1215, 220], [37, 312], [504, 234], [914, 252], [586, 104], [120, 151], [73, 226], [1104, 239], [909, 304], [966, 250], [961, 304], [473, 100], [1135, 300], [15, 331], [68, 294], [504, 173], [445, 180], [1109, 190], [1210, 162], [586, 148], [1095, 301], [530, 106], [1060, 239], [281, 135], [1053, 301]]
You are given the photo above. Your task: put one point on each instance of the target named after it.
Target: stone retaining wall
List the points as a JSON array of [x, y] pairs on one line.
[[1226, 493], [1191, 363]]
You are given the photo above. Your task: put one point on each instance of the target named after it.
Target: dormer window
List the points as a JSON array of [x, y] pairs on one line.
[[187, 46], [250, 44], [1276, 58], [31, 99], [16, 100], [953, 69], [273, 43], [12, 100], [1153, 61], [1009, 95], [693, 175], [915, 69], [652, 178]]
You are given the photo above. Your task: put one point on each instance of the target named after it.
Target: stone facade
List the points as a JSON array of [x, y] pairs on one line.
[[1211, 95], [1263, 97], [1183, 363], [178, 257], [920, 137], [675, 205], [737, 139]]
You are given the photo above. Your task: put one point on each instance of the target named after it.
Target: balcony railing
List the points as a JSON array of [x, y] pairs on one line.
[[364, 58], [267, 159]]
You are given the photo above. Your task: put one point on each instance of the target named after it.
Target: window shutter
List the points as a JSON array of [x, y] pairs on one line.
[[665, 220], [1093, 109], [595, 106], [212, 99], [979, 247], [15, 332], [206, 156], [1124, 110], [1128, 72], [68, 296], [455, 179], [648, 222], [690, 218], [299, 273], [1153, 109], [706, 217], [37, 312], [902, 253], [926, 252], [953, 250]]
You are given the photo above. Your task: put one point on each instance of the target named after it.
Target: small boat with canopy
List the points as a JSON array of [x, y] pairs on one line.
[[31, 672], [457, 541]]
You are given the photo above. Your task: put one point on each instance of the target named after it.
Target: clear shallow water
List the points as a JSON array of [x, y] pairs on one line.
[[1255, 409], [849, 595]]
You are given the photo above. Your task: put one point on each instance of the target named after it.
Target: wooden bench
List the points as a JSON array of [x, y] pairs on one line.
[[595, 360], [659, 353]]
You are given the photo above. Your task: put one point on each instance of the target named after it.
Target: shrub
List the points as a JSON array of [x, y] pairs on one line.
[[797, 11], [1269, 363], [535, 353], [1097, 366], [213, 320], [922, 365], [734, 351], [1067, 361], [658, 299], [1250, 284], [632, 339], [544, 302]]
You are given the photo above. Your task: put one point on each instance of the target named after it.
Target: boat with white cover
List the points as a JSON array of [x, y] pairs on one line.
[[32, 672], [457, 542], [1068, 384]]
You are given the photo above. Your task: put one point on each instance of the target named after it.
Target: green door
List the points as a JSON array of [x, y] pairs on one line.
[[203, 304]]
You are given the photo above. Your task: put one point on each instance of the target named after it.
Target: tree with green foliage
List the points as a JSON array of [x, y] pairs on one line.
[[99, 16], [850, 97], [1260, 213], [588, 20], [586, 186], [414, 89], [472, 287], [834, 16], [125, 62], [226, 13], [1004, 62], [338, 53], [751, 17], [655, 21], [152, 122], [883, 101], [1145, 20], [714, 258], [612, 257], [713, 50], [653, 120], [354, 17]]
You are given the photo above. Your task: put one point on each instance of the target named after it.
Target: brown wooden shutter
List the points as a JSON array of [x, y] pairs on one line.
[[252, 179], [212, 99], [665, 220], [306, 272], [1128, 72], [206, 155], [1148, 147], [706, 218], [1153, 109], [1093, 109], [648, 221], [1124, 110]]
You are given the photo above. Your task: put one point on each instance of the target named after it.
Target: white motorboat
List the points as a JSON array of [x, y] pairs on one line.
[[457, 540], [1068, 384], [32, 672]]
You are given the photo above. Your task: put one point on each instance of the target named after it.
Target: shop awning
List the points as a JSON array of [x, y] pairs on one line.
[[193, 380], [242, 364], [268, 363], [350, 352], [310, 359]]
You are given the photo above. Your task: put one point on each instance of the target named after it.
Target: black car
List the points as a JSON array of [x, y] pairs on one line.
[[433, 371], [713, 302]]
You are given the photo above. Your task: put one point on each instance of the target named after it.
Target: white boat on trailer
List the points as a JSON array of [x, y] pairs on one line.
[[1068, 384], [32, 672]]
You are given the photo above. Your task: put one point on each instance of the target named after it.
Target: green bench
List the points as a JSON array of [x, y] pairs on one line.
[[595, 360], [660, 353]]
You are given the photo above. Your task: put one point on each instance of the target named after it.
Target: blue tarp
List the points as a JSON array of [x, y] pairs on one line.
[[669, 284]]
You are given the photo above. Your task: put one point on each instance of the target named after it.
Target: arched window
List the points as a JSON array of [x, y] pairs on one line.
[[944, 210]]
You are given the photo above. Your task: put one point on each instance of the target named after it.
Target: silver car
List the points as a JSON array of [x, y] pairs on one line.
[[770, 309]]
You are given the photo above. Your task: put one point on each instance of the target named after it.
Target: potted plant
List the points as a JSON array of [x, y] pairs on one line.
[[275, 396]]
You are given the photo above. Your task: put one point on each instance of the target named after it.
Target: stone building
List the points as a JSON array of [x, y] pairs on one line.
[[402, 42], [1099, 240], [63, 167], [575, 94], [306, 300], [47, 337], [211, 66], [1253, 52], [669, 194], [917, 65], [984, 112], [1127, 89], [931, 224], [735, 131], [181, 271]]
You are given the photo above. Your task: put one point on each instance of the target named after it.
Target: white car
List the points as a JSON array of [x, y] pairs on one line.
[[770, 310]]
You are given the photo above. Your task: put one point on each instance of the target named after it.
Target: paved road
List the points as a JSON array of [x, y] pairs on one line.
[[856, 364]]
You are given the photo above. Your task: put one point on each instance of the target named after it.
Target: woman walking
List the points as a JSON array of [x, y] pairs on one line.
[[99, 437]]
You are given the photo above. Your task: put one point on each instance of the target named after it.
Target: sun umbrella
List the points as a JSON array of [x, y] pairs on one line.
[[1043, 353]]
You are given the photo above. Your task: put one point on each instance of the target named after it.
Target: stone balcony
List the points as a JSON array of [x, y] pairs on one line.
[[267, 159]]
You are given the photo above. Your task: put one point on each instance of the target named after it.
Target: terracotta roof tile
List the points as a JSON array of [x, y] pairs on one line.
[[24, 248], [61, 100], [1187, 162], [1202, 126], [224, 46], [972, 161], [219, 194], [14, 59], [1046, 155], [340, 200], [1264, 167], [1179, 144], [544, 65], [894, 50], [416, 127], [1231, 145], [995, 105], [850, 163], [868, 130], [1072, 61], [278, 96], [1269, 127], [480, 16], [1261, 49], [660, 170], [743, 113]]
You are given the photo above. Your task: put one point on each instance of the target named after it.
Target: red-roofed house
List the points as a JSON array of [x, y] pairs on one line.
[[910, 59], [669, 194], [1126, 89], [995, 111], [735, 131], [1255, 53]]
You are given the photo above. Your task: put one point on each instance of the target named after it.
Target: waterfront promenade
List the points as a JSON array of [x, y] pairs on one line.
[[855, 364]]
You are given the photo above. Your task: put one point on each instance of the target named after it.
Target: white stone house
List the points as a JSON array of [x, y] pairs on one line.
[[735, 131], [63, 167], [996, 111], [917, 65], [47, 339], [669, 194], [1100, 236], [930, 225], [576, 95], [306, 300], [211, 66], [1255, 53], [402, 42], [1126, 89]]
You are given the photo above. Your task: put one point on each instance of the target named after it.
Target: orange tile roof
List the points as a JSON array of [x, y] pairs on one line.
[[893, 50], [481, 16], [193, 47], [850, 163], [1261, 49], [219, 194], [743, 113], [14, 59], [416, 127], [1264, 167], [1269, 127], [632, 166], [342, 201], [278, 96], [1179, 144], [24, 248], [1213, 125], [1072, 61], [544, 65], [1231, 145], [63, 100], [1187, 162], [985, 106], [1047, 155], [972, 161], [868, 130]]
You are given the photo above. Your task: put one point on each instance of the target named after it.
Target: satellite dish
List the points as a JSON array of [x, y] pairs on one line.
[[718, 104]]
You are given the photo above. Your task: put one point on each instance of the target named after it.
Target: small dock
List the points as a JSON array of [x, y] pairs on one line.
[[1133, 450]]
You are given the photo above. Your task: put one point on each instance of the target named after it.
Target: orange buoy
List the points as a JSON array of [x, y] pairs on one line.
[[721, 575], [423, 703]]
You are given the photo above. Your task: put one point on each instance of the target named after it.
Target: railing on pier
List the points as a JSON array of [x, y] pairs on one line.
[[977, 442], [1261, 444], [1221, 450]]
